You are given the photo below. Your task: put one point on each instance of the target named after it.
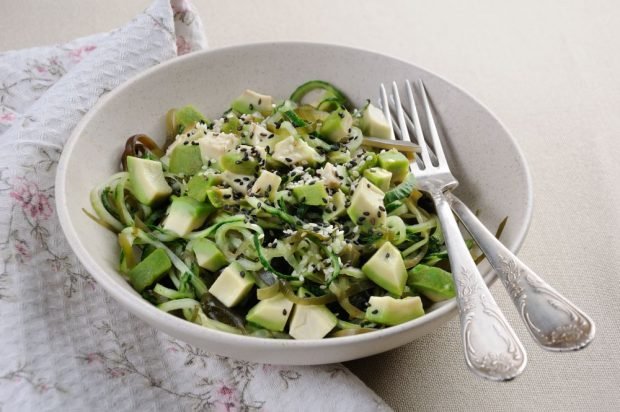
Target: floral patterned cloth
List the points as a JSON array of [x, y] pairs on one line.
[[65, 344]]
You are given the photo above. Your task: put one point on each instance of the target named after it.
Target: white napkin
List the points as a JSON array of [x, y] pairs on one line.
[[65, 344]]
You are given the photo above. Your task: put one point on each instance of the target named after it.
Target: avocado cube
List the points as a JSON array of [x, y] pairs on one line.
[[185, 159], [313, 194], [433, 282], [380, 177], [311, 321], [271, 313], [232, 285], [244, 160], [149, 270], [367, 204], [186, 214], [387, 269], [251, 101], [146, 179], [197, 187], [266, 185], [395, 162], [338, 157], [389, 311], [335, 207], [374, 123], [219, 196], [239, 183], [208, 256], [186, 117], [337, 125]]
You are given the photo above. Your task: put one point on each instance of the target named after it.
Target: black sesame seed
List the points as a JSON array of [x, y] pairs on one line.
[[379, 214], [227, 196], [242, 274], [361, 219], [251, 106], [367, 213], [368, 185], [374, 312], [288, 159], [259, 204], [381, 208], [185, 143], [260, 100], [372, 220], [284, 312], [387, 255]]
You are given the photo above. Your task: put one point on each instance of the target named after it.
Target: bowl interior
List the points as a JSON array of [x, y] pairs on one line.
[[491, 170]]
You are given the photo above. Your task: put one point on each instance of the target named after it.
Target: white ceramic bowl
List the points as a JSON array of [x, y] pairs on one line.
[[491, 169]]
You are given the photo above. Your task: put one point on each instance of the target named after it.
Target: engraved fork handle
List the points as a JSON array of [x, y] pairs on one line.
[[554, 322], [492, 349]]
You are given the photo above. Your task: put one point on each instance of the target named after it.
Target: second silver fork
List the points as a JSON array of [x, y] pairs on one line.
[[492, 349]]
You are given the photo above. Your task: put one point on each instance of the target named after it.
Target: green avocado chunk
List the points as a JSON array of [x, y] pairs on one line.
[[313, 194], [251, 101], [150, 270], [374, 123], [232, 285], [311, 321], [337, 125], [395, 162], [208, 255], [186, 214], [380, 177], [240, 163], [433, 282], [185, 159], [387, 269], [219, 197], [367, 205], [187, 116], [389, 311], [146, 179], [271, 313], [197, 187]]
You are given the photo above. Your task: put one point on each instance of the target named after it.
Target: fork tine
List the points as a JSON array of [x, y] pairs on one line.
[[441, 157], [418, 129], [385, 104], [399, 113]]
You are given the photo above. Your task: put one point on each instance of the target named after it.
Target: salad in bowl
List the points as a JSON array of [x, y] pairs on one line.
[[283, 219]]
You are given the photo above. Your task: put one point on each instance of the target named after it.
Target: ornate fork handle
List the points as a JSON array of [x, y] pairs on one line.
[[492, 349], [554, 322]]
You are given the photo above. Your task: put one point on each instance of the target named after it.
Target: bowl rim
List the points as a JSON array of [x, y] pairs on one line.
[[148, 312]]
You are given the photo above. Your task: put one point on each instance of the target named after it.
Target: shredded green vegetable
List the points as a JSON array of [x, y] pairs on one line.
[[285, 216]]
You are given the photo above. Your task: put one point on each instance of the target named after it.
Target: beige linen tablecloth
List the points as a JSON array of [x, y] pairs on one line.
[[550, 71]]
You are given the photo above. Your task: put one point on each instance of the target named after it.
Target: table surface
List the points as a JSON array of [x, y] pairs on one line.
[[549, 71]]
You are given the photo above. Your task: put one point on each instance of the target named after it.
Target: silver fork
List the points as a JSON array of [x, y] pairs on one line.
[[492, 349], [554, 322]]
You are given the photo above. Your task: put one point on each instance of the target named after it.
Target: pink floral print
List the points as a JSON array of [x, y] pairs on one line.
[[32, 200]]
